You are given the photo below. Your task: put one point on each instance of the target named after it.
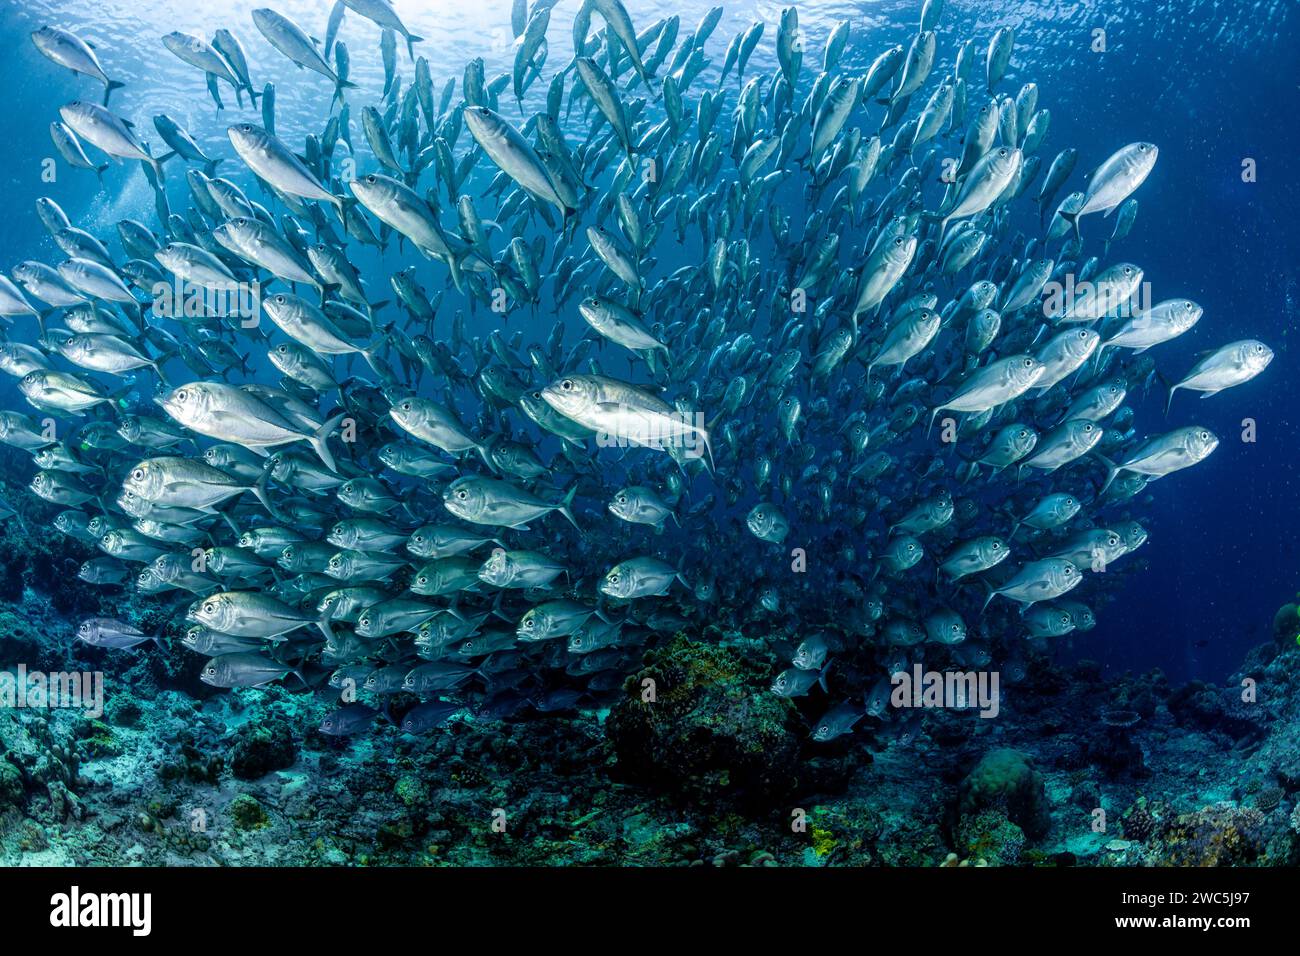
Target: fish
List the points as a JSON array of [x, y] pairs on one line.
[[107, 632], [1229, 365], [478, 317], [1164, 454], [1114, 181], [994, 385], [109, 133], [1042, 580], [73, 53], [290, 39]]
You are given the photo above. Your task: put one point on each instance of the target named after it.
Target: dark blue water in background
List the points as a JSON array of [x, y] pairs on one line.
[[1211, 83]]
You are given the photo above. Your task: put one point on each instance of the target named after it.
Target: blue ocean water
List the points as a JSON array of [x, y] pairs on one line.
[[1205, 81]]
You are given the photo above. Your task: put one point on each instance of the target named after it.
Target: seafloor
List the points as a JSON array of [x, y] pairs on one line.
[[1077, 769]]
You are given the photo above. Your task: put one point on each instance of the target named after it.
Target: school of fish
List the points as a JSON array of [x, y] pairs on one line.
[[859, 416]]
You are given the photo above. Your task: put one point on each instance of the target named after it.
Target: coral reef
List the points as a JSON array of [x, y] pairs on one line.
[[700, 722], [1004, 782], [697, 763]]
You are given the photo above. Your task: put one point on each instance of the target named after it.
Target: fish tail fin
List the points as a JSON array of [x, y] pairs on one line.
[[411, 40], [326, 288], [99, 173], [253, 95], [821, 678], [323, 624], [108, 90], [210, 167], [339, 86], [259, 491], [156, 365], [341, 204], [1073, 219], [933, 415], [319, 438], [496, 609], [1112, 470], [988, 600], [1096, 359], [566, 507], [1169, 400]]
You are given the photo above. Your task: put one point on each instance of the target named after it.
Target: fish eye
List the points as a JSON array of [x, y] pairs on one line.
[[462, 494], [1259, 348], [138, 474], [613, 577], [1187, 305], [997, 546], [1088, 427], [1068, 570], [567, 385], [1205, 436], [182, 395], [1083, 333], [1002, 151], [422, 579], [371, 179], [1029, 363], [209, 607]]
